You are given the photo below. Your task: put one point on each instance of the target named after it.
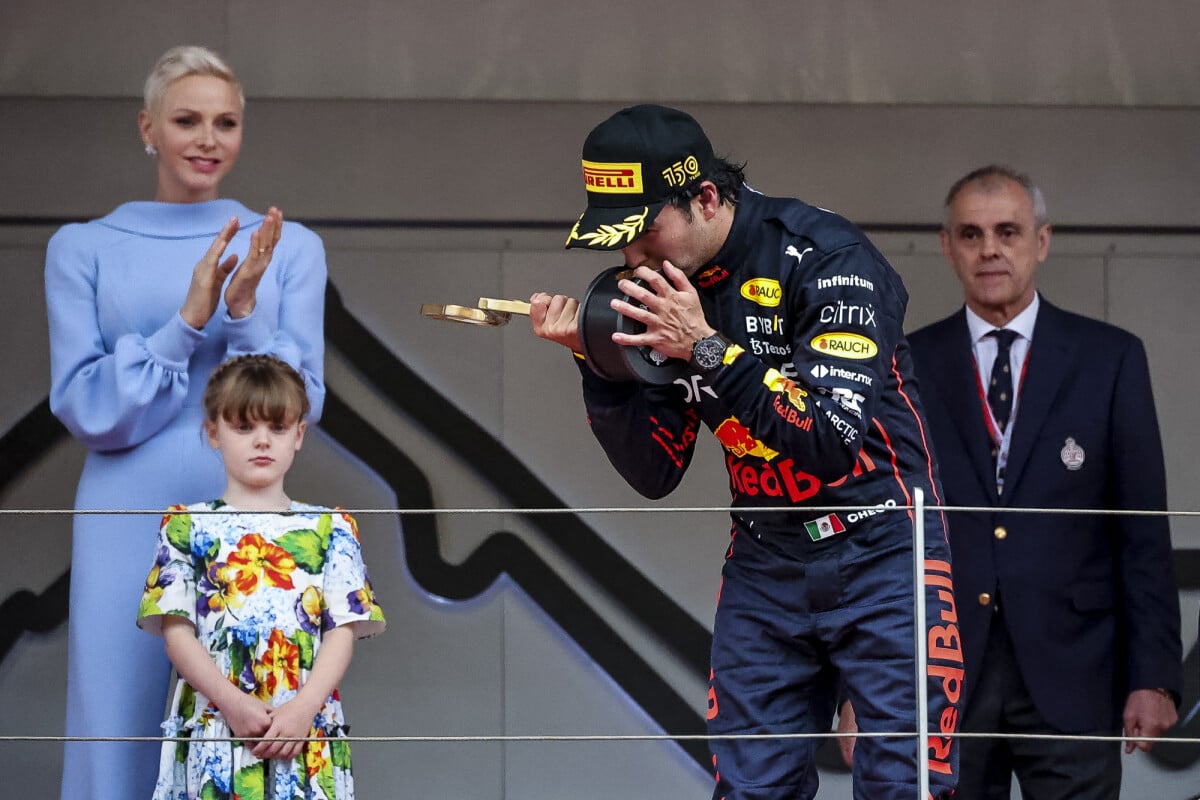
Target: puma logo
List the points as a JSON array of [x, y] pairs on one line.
[[796, 254]]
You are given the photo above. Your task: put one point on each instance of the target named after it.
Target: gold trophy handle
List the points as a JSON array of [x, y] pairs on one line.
[[471, 316], [490, 311], [504, 306]]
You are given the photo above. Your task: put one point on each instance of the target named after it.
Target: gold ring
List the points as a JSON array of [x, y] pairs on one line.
[[262, 250]]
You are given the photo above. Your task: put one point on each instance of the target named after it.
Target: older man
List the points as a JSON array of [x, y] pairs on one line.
[[1070, 624]]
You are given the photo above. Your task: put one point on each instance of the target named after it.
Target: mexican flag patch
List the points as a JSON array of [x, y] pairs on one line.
[[824, 527]]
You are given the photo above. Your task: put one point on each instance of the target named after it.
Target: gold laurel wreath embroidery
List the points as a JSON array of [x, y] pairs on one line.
[[609, 235]]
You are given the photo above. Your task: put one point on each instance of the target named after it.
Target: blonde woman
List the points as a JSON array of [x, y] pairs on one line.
[[143, 304]]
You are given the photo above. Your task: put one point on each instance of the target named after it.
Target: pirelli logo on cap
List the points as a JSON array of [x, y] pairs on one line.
[[844, 345], [613, 178]]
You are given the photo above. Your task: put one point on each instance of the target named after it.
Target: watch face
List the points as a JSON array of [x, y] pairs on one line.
[[708, 353]]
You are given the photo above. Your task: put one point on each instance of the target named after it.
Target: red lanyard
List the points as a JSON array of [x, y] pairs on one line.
[[993, 433]]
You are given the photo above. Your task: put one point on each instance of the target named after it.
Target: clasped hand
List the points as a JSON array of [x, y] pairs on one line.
[[250, 718], [209, 276]]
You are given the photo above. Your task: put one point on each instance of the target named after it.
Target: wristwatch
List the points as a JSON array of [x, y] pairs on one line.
[[709, 352]]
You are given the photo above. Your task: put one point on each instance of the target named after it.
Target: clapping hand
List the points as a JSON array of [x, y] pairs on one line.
[[239, 297], [210, 273]]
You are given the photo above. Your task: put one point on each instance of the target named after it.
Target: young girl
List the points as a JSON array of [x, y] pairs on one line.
[[259, 609]]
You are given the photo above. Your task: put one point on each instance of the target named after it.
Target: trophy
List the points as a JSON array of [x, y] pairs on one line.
[[597, 323]]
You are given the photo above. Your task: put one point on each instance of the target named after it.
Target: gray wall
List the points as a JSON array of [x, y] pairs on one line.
[[419, 115]]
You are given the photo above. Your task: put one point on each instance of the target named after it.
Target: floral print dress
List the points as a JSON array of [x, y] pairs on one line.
[[260, 588]]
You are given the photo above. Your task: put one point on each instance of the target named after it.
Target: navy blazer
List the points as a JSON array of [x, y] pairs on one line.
[[1090, 601]]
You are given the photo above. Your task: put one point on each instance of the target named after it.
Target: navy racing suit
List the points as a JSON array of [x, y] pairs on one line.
[[815, 406]]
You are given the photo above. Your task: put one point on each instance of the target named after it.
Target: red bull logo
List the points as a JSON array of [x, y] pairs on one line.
[[795, 395], [738, 440], [945, 668], [676, 449], [789, 400], [776, 382], [791, 415], [783, 480], [711, 277]]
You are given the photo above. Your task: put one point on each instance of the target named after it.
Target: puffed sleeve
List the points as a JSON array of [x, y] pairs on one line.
[[349, 596], [171, 585], [108, 400], [298, 335]]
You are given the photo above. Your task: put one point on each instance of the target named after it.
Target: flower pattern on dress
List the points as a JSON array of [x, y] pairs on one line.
[[279, 667], [311, 611], [221, 590], [158, 580], [260, 589], [257, 559]]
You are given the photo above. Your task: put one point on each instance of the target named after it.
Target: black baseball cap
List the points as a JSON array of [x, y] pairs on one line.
[[632, 162]]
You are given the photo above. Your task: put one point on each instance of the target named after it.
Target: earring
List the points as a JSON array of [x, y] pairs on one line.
[[151, 150]]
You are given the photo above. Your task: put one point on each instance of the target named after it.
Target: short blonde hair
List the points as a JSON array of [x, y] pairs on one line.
[[180, 62]]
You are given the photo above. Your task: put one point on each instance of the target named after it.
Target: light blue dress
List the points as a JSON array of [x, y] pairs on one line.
[[127, 375]]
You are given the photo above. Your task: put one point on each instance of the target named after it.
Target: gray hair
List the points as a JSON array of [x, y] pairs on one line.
[[989, 178], [181, 62]]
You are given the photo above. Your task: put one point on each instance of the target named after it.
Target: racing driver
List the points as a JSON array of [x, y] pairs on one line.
[[791, 324]]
